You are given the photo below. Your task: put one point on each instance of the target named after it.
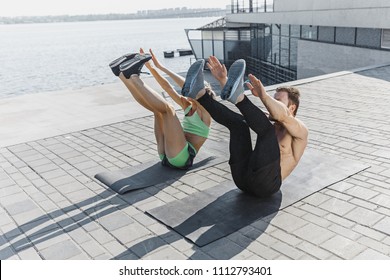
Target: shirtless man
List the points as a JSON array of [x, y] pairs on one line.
[[279, 146]]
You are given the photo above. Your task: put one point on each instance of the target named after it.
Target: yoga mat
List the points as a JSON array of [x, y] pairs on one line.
[[152, 173], [212, 214]]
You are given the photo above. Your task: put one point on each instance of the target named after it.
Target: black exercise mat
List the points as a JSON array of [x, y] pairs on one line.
[[212, 214], [152, 173]]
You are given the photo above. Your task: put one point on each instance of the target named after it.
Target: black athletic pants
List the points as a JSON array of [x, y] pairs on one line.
[[257, 170]]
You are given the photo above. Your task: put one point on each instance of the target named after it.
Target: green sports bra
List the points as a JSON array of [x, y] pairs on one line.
[[194, 124]]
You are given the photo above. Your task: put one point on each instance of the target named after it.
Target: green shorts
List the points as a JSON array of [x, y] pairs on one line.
[[183, 160]]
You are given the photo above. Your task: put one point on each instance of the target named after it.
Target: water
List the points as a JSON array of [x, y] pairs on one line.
[[54, 56]]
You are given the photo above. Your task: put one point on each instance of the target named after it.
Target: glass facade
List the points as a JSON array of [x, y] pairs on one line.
[[326, 34], [345, 35], [368, 37], [309, 32], [252, 6], [271, 50], [385, 39]]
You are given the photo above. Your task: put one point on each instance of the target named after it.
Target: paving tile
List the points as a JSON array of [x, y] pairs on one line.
[[47, 239], [287, 250], [29, 254], [21, 207], [29, 216], [314, 250], [361, 192], [9, 231], [61, 251], [316, 199], [145, 245], [313, 233], [79, 235], [370, 254], [92, 248], [316, 220], [376, 245], [264, 252], [382, 199], [222, 249], [39, 226], [5, 220], [115, 248], [343, 231], [313, 210], [383, 226], [130, 233], [364, 204], [343, 247], [288, 222], [337, 206], [286, 237], [14, 198], [364, 216], [102, 236], [166, 253], [7, 253], [114, 220]]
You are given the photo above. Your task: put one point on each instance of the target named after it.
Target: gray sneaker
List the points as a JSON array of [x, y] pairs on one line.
[[234, 86], [194, 81]]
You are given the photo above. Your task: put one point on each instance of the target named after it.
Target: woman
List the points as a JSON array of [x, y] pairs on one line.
[[177, 145]]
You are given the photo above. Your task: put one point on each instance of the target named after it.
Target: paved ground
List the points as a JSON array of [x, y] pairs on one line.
[[52, 207]]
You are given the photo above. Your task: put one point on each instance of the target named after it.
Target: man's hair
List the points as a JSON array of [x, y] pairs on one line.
[[293, 96]]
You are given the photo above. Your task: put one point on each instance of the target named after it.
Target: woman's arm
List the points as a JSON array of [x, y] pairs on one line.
[[179, 80], [167, 87]]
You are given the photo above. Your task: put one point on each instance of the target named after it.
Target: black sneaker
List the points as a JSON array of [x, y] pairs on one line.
[[234, 86], [134, 65], [114, 65], [194, 81]]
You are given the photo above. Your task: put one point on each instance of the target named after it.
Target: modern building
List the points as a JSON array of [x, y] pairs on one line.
[[284, 40]]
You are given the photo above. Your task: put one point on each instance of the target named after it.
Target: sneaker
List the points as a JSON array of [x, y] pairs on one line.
[[194, 81], [114, 65], [234, 86], [134, 65]]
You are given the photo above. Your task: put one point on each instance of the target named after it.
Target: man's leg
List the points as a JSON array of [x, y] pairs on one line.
[[240, 145], [267, 147]]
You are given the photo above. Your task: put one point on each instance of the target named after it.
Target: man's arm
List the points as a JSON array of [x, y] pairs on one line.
[[280, 113], [218, 70]]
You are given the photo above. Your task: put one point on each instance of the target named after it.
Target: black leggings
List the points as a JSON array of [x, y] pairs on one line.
[[256, 171]]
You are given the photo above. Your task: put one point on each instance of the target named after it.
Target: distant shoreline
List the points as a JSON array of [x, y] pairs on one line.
[[155, 14]]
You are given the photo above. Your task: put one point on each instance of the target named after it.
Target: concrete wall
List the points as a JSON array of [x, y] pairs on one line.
[[316, 58], [305, 5]]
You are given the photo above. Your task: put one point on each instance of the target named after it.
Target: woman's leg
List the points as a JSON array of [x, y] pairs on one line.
[[159, 133], [167, 125], [134, 91], [158, 120]]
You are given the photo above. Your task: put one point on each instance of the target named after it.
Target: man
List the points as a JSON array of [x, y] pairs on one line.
[[279, 146]]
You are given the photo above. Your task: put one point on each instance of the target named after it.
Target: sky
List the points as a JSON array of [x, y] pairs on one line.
[[11, 8]]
